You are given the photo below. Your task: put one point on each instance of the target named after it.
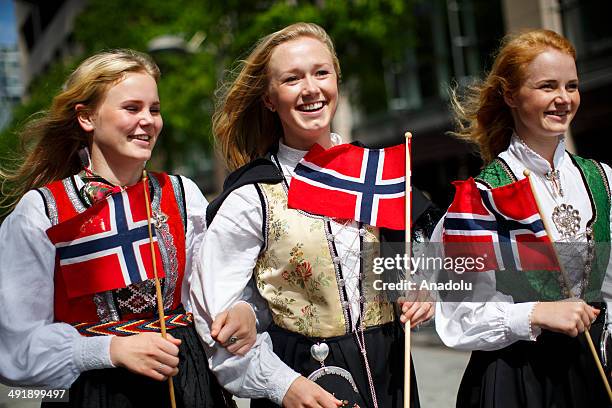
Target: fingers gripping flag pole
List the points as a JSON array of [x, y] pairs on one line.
[[587, 334], [407, 214], [160, 302]]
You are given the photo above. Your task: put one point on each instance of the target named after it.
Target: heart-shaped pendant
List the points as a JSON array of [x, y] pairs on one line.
[[319, 351]]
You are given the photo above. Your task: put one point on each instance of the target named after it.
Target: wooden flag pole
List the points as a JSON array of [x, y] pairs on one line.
[[160, 302], [527, 173], [408, 215]]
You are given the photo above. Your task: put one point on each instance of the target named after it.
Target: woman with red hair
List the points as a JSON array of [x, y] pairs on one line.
[[528, 350]]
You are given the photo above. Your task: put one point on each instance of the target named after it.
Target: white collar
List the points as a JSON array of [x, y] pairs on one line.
[[532, 160], [290, 157]]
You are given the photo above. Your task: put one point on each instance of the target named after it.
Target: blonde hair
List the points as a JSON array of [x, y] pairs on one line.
[[482, 116], [53, 139], [243, 128]]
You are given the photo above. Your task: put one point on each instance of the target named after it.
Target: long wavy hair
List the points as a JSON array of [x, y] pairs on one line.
[[54, 138], [242, 126], [481, 114]]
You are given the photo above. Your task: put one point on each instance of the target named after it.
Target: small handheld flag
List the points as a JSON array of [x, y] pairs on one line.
[[107, 246], [503, 225], [352, 182]]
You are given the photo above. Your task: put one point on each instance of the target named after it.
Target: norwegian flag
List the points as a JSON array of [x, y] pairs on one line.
[[106, 246], [503, 225], [352, 182]]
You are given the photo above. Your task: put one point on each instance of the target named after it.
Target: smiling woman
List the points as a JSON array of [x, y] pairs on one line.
[[547, 101], [94, 330], [303, 90], [309, 270], [528, 347], [279, 75], [124, 127]]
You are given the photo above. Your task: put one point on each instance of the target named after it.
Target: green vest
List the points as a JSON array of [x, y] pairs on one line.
[[546, 285]]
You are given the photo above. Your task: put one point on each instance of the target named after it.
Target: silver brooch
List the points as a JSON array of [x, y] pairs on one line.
[[567, 220], [159, 218]]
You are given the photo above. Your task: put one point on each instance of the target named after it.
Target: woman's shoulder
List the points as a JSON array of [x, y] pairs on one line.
[[188, 184], [32, 201], [257, 171], [239, 189], [188, 196], [497, 173], [30, 208], [586, 164]]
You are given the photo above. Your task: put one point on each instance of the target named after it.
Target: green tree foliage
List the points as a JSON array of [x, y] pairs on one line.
[[368, 35]]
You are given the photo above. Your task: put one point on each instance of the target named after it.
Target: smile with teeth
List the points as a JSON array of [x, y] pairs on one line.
[[311, 107], [557, 113], [146, 138]]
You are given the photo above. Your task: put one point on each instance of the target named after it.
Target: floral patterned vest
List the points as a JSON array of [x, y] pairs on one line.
[[300, 275]]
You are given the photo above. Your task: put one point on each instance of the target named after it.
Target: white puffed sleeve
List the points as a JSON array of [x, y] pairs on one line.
[[34, 349], [223, 276], [195, 206], [489, 325]]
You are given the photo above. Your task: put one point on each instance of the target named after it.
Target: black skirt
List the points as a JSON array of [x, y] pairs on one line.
[[194, 385], [554, 371], [385, 351]]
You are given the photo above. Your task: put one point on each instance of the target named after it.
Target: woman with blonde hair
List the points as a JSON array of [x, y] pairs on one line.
[[96, 337], [527, 342], [302, 269]]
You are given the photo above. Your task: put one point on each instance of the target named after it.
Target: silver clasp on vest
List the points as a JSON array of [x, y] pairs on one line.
[[159, 218]]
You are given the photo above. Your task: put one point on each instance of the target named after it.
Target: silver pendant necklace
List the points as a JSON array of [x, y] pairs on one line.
[[565, 217]]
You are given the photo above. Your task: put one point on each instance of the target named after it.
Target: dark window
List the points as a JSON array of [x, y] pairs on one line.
[[587, 25], [454, 40], [48, 10], [28, 32]]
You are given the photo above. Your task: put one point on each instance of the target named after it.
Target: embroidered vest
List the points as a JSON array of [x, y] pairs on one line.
[[545, 285], [299, 272], [63, 202]]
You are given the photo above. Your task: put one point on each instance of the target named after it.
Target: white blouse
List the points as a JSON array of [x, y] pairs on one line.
[[500, 322], [34, 349], [224, 276]]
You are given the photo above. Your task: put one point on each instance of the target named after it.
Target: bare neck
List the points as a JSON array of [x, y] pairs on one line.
[[119, 172]]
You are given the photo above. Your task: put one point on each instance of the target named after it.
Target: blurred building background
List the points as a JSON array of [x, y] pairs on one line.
[[11, 87], [455, 41], [45, 34], [448, 42]]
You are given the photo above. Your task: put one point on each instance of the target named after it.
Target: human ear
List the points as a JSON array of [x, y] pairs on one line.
[[267, 101], [509, 99], [84, 117]]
